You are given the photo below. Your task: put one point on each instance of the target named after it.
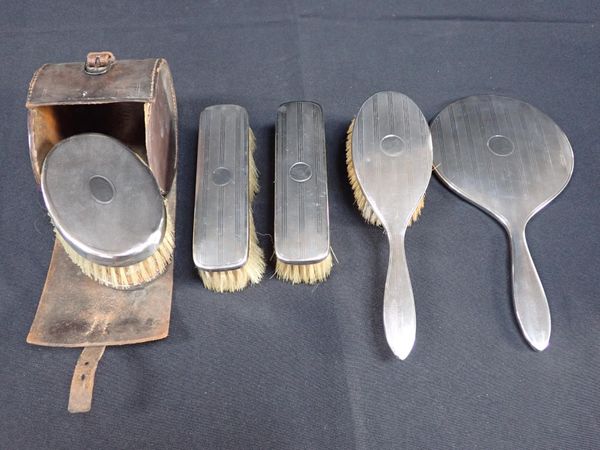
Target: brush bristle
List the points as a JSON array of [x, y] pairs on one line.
[[361, 200], [304, 273], [253, 186], [254, 268], [236, 280], [127, 277]]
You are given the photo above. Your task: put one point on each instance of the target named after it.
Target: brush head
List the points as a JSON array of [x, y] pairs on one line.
[[225, 245], [130, 276], [107, 210], [253, 269], [237, 279], [304, 273], [359, 197]]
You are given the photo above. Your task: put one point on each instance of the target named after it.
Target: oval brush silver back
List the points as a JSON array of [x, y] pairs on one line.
[[103, 200], [392, 156]]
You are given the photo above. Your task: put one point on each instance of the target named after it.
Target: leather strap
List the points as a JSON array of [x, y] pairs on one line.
[[82, 384]]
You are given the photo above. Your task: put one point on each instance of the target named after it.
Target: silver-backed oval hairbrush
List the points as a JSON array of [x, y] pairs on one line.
[[389, 158]]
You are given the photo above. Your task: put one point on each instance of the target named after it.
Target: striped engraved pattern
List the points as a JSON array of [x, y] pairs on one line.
[[220, 240], [502, 154], [301, 203], [392, 155]]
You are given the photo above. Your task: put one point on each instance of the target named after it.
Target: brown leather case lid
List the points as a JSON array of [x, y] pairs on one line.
[[69, 84]]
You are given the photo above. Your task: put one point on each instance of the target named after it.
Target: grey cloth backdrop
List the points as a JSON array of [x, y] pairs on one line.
[[281, 366]]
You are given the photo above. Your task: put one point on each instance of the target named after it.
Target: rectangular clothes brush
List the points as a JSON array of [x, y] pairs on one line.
[[302, 248], [225, 246]]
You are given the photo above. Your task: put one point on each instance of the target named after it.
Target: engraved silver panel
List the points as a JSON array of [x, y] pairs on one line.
[[220, 239], [392, 155], [511, 160], [301, 201]]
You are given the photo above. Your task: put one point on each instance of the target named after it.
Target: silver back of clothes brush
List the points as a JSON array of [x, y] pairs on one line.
[[221, 225], [103, 200], [392, 156], [301, 202], [511, 160]]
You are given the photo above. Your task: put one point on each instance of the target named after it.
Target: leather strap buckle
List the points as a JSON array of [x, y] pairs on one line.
[[98, 63]]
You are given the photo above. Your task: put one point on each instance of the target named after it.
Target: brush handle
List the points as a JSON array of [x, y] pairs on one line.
[[531, 306], [399, 318]]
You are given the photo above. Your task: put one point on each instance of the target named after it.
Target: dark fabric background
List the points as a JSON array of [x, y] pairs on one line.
[[278, 366]]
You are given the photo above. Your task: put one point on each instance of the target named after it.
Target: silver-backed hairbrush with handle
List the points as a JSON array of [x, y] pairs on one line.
[[389, 160]]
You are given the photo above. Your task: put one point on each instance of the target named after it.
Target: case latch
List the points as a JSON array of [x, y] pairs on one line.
[[98, 63]]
